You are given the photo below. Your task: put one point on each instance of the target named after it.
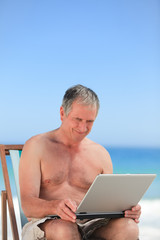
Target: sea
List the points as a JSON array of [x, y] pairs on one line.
[[125, 160]]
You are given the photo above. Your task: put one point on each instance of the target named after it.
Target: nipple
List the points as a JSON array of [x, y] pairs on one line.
[[47, 181]]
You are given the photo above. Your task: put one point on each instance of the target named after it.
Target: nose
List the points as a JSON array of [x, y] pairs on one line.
[[82, 126]]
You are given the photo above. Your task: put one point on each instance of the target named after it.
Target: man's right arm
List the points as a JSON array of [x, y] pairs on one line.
[[30, 182]]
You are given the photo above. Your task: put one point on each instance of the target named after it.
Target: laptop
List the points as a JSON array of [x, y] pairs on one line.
[[111, 194]]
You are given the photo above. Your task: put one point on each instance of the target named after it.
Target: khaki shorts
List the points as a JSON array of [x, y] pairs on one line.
[[31, 231]]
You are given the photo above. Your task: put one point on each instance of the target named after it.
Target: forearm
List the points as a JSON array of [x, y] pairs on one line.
[[37, 208]]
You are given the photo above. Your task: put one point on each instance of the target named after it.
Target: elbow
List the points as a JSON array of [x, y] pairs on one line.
[[27, 210], [27, 207]]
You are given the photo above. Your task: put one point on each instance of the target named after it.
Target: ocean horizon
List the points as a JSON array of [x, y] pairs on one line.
[[127, 160]]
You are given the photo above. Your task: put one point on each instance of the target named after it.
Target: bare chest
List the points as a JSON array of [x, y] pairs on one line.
[[77, 170]]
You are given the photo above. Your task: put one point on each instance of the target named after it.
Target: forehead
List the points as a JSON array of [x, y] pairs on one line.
[[79, 109]]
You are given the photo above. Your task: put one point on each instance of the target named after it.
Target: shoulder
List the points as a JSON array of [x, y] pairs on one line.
[[35, 145], [38, 141], [97, 147], [39, 144], [101, 154]]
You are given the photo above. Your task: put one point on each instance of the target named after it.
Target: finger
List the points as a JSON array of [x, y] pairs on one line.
[[136, 220], [136, 208], [65, 217], [64, 214], [63, 210], [71, 204], [128, 212], [131, 214], [68, 211]]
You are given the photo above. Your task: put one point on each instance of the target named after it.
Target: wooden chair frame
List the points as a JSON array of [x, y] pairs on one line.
[[6, 195]]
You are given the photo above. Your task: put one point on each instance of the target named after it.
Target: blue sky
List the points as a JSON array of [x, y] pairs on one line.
[[110, 46]]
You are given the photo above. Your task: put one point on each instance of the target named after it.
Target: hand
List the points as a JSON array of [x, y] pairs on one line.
[[66, 209], [134, 213]]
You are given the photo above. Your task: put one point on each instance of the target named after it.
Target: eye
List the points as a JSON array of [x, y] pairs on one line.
[[90, 121], [78, 119]]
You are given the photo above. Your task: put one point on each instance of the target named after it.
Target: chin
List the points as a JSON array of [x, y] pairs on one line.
[[80, 138]]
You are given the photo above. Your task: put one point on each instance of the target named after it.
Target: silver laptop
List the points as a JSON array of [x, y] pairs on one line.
[[112, 194]]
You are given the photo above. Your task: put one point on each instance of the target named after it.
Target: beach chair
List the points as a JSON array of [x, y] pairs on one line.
[[6, 196]]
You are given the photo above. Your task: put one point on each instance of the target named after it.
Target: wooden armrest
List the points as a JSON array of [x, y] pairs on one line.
[[4, 214]]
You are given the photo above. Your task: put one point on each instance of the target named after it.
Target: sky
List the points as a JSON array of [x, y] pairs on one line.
[[110, 46]]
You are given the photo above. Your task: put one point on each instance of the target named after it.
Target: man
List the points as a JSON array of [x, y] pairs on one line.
[[56, 170]]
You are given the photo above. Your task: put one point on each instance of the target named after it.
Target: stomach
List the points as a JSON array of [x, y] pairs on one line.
[[62, 191]]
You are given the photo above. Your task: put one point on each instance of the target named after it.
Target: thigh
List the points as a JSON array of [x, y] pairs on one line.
[[60, 229], [122, 228]]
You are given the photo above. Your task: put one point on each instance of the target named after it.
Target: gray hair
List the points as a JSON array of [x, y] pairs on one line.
[[82, 95]]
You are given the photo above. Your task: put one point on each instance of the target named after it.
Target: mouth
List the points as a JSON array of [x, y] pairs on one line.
[[79, 132]]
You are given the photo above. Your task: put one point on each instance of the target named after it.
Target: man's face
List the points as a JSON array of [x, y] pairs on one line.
[[79, 121]]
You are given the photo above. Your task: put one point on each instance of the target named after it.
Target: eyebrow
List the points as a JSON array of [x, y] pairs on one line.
[[90, 120]]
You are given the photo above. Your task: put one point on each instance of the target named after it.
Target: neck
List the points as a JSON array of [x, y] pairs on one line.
[[64, 139]]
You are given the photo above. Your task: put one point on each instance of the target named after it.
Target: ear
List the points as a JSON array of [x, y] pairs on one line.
[[62, 113]]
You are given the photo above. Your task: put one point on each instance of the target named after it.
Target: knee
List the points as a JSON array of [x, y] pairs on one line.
[[129, 228], [64, 230], [132, 229]]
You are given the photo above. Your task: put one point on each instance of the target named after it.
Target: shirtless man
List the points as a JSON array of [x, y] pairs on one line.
[[56, 170]]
